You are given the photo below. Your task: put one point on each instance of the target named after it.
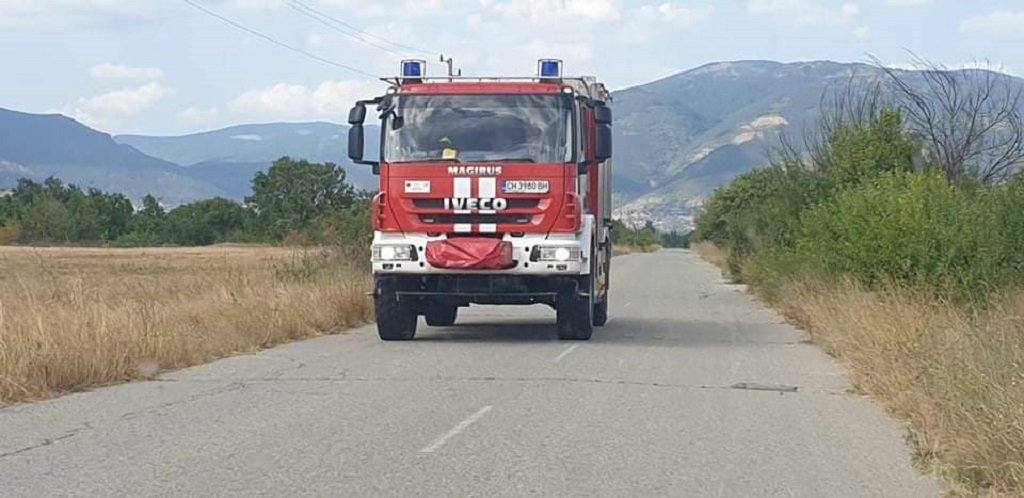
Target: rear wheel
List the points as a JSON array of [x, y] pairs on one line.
[[441, 315], [396, 317]]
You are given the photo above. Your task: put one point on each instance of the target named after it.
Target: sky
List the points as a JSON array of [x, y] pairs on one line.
[[171, 67]]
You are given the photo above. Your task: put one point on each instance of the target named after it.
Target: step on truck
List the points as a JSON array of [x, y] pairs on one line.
[[493, 190]]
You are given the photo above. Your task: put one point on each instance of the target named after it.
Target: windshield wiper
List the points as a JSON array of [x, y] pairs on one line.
[[511, 160], [434, 160]]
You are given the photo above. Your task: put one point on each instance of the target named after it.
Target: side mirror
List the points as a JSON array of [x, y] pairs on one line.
[[603, 142], [603, 114], [356, 143], [357, 115]]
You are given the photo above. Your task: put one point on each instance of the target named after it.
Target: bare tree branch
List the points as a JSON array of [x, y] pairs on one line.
[[970, 120]]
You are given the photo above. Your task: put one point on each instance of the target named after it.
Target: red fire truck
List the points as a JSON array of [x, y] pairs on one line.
[[493, 190]]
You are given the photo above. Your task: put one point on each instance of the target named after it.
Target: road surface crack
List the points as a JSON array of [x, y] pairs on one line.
[[740, 386], [232, 387], [44, 442]]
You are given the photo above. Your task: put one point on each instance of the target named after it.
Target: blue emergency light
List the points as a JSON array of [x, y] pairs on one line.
[[413, 68], [549, 68]]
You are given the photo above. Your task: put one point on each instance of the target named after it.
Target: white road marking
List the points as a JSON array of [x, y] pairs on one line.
[[567, 352], [458, 429], [628, 304]]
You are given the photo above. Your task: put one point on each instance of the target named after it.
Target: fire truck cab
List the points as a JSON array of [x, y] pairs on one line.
[[493, 190]]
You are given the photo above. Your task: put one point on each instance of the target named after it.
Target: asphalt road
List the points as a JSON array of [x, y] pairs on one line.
[[655, 404]]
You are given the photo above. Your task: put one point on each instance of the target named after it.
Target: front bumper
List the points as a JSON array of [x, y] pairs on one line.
[[521, 250]]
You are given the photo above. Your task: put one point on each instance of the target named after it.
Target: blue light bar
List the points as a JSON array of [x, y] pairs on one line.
[[414, 68], [549, 68]]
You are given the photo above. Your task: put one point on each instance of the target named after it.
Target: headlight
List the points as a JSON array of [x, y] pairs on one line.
[[558, 254], [394, 253]]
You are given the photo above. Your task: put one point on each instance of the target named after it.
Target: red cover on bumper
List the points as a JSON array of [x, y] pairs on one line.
[[470, 253]]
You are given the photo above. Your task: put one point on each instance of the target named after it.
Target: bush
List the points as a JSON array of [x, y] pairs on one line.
[[759, 210], [908, 228], [860, 152], [9, 233]]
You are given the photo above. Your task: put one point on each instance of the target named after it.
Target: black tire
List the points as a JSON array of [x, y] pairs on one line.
[[441, 315], [396, 319], [601, 313], [601, 308], [575, 316]]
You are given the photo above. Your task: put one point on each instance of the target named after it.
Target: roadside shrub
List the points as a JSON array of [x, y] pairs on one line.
[[9, 233], [860, 152], [907, 228], [759, 210]]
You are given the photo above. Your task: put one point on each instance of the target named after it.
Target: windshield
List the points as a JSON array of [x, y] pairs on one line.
[[528, 128]]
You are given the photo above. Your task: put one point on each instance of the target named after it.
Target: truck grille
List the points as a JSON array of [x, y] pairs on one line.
[[512, 203], [451, 219]]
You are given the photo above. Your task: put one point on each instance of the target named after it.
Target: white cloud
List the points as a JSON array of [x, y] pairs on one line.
[[556, 12], [112, 109], [672, 13], [407, 9], [108, 71], [648, 21], [575, 52], [804, 12], [1000, 22], [907, 3], [861, 32], [64, 13], [286, 101], [256, 4]]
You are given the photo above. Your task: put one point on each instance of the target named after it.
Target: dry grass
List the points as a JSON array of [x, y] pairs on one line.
[[72, 318], [621, 249], [713, 254], [955, 377]]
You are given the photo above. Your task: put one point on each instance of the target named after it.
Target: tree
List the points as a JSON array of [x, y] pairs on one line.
[[675, 238], [294, 193], [863, 151], [204, 222], [971, 121]]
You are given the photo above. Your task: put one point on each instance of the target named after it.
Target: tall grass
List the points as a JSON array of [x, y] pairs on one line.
[[956, 378], [75, 318], [954, 374]]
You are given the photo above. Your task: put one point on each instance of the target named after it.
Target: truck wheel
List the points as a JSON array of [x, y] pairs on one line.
[[396, 319], [441, 315], [601, 313], [575, 316]]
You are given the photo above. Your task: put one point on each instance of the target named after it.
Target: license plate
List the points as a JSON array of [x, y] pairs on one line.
[[525, 187]]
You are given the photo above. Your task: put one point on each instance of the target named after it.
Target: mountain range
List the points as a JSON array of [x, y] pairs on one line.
[[676, 140]]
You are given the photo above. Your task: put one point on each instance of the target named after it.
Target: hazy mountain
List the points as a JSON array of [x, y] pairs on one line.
[[679, 138], [229, 157], [37, 146]]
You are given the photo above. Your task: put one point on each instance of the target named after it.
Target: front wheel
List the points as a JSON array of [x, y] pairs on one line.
[[601, 313], [575, 316], [396, 317]]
